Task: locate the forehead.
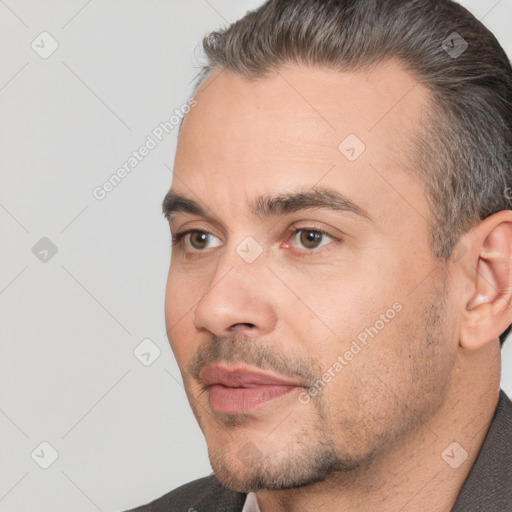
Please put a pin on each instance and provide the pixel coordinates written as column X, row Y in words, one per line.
column 299, row 126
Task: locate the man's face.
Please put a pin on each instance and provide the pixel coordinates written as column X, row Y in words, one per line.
column 307, row 327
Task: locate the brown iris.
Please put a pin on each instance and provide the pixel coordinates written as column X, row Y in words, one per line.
column 310, row 239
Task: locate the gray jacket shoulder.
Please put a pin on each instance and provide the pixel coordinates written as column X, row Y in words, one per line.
column 488, row 487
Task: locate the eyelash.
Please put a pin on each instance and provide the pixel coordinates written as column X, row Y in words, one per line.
column 177, row 240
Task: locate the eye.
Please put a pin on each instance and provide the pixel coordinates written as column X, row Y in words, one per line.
column 311, row 238
column 196, row 240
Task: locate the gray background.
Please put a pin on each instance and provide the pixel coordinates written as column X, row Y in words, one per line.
column 69, row 326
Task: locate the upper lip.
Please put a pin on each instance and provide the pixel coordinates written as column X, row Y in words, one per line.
column 242, row 376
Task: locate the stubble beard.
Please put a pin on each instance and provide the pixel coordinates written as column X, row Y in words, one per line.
column 313, row 453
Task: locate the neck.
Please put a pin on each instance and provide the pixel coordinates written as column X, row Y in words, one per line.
column 426, row 471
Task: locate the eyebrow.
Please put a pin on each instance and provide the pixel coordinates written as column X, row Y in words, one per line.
column 268, row 206
column 174, row 203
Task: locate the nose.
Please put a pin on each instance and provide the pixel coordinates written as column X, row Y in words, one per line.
column 238, row 299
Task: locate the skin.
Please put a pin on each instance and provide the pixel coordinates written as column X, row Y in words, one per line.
column 373, row 437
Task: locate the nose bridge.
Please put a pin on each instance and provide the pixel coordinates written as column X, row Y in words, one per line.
column 243, row 262
column 237, row 293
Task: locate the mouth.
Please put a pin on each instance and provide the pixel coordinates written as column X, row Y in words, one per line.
column 241, row 389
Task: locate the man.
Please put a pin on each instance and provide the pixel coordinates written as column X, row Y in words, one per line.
column 341, row 265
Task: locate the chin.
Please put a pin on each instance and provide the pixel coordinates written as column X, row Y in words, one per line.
column 250, row 470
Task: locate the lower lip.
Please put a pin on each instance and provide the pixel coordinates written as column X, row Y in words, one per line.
column 244, row 400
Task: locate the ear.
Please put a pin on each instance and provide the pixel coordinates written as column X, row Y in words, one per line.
column 488, row 289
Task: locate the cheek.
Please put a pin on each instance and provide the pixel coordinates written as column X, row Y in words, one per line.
column 179, row 314
column 339, row 306
column 353, row 324
column 386, row 358
column 184, row 290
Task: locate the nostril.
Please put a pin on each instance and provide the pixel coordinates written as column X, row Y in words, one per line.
column 235, row 326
